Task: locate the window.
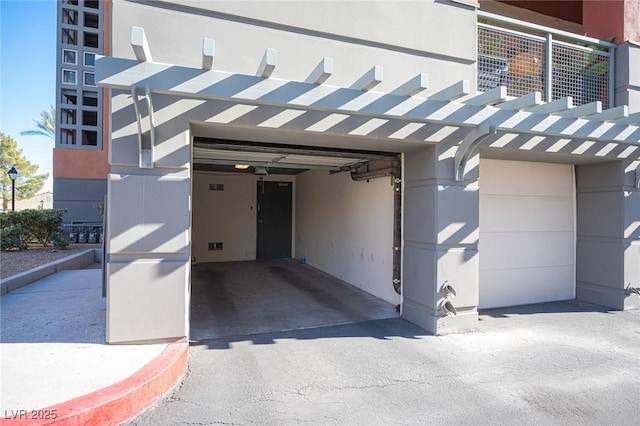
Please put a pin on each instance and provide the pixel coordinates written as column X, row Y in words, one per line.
column 69, row 16
column 69, row 77
column 69, row 36
column 67, row 137
column 93, row 4
column 89, row 59
column 89, row 79
column 69, row 56
column 90, row 39
column 89, row 118
column 91, row 20
column 69, row 97
column 72, row 2
column 67, row 116
column 90, row 98
column 90, row 137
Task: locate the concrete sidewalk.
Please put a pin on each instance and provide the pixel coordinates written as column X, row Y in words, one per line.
column 54, row 356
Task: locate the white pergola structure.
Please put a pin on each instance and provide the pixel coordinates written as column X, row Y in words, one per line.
column 455, row 122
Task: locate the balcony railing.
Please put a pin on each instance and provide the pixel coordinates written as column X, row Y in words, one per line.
column 526, row 57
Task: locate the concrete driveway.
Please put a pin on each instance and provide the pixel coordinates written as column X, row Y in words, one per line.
column 557, row 363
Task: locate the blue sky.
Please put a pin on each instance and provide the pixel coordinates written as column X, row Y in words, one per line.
column 28, row 74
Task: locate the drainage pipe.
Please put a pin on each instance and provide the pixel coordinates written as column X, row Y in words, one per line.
column 394, row 172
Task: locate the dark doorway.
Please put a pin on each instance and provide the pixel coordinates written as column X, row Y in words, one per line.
column 274, row 220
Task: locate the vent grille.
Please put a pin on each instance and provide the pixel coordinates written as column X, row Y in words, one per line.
column 216, row 187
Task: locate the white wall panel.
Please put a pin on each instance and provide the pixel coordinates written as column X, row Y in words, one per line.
column 527, row 233
column 345, row 228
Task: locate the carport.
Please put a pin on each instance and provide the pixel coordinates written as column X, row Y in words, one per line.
column 442, row 138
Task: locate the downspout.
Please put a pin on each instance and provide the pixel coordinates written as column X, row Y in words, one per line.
column 393, row 171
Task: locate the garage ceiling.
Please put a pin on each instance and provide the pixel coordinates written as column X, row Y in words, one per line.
column 224, row 156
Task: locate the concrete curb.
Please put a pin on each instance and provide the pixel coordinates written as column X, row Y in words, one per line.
column 77, row 261
column 121, row 401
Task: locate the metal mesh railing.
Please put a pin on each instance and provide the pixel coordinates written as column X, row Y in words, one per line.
column 580, row 73
column 517, row 59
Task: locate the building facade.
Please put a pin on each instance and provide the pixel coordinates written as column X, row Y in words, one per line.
column 418, row 162
column 80, row 165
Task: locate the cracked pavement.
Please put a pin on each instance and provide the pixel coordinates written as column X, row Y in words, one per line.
column 556, row 363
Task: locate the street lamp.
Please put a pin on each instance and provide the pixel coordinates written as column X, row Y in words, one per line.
column 13, row 175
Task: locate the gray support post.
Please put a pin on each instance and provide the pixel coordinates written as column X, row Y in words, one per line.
column 440, row 255
column 608, row 251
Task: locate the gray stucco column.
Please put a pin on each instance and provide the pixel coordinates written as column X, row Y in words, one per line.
column 148, row 228
column 441, row 218
column 627, row 80
column 608, row 234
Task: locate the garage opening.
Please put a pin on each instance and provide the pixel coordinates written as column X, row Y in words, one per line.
column 287, row 237
column 527, row 233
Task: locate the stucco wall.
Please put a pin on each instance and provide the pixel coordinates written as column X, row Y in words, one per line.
column 406, row 38
column 227, row 216
column 345, row 228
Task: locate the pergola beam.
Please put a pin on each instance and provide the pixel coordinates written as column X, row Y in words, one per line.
column 183, row 81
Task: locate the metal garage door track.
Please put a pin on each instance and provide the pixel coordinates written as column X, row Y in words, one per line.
column 238, row 298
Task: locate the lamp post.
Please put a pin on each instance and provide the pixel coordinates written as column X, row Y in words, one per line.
column 13, row 175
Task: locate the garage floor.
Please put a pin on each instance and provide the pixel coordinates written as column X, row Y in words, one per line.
column 238, row 298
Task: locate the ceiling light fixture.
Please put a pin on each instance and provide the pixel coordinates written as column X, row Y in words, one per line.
column 241, row 166
column 259, row 170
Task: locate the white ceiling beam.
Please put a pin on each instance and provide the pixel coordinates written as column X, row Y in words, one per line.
column 455, row 91
column 583, row 110
column 610, row 114
column 369, row 80
column 631, row 119
column 208, row 53
column 322, row 71
column 140, row 45
column 558, row 105
column 268, row 64
column 414, row 86
column 523, row 102
column 495, row 95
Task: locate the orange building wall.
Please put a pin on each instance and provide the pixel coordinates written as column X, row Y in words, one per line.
column 80, row 164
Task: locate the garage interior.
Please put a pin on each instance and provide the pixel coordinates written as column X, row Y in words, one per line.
column 287, row 237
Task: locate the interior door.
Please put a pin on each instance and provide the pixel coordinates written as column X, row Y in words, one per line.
column 274, row 220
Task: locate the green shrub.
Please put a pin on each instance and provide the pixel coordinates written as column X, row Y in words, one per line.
column 60, row 240
column 11, row 238
column 35, row 225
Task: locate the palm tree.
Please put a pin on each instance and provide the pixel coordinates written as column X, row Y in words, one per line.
column 46, row 126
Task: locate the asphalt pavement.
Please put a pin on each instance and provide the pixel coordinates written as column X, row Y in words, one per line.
column 560, row 363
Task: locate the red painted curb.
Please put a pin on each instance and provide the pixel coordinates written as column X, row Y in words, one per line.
column 121, row 401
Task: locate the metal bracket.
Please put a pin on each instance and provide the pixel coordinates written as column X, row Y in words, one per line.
column 467, row 148
column 146, row 142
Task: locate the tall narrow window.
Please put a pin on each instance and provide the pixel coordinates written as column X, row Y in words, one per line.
column 89, row 79
column 90, row 39
column 89, row 137
column 69, row 36
column 89, row 59
column 69, row 77
column 90, row 98
column 69, row 97
column 67, row 116
column 89, row 118
column 67, row 137
column 91, row 20
column 69, row 56
column 69, row 16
